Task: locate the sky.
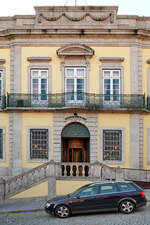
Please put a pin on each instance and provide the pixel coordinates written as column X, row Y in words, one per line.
column 25, row 7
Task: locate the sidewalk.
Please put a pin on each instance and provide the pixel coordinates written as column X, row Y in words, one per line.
column 33, row 205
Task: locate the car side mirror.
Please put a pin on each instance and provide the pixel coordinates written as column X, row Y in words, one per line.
column 78, row 196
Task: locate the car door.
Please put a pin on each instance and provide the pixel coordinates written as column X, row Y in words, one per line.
column 85, row 200
column 108, row 197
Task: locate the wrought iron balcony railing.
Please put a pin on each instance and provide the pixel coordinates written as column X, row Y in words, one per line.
column 2, row 101
column 77, row 100
column 148, row 103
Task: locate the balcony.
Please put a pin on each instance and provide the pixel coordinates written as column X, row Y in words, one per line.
column 2, row 102
column 77, row 100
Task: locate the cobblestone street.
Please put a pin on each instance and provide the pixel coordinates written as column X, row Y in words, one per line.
column 140, row 217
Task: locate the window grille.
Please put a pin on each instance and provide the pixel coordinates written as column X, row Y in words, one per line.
column 39, row 144
column 112, row 145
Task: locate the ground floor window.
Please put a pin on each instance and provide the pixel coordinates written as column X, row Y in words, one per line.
column 1, row 144
column 112, row 145
column 39, row 144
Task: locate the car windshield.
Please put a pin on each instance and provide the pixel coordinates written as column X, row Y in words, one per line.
column 75, row 193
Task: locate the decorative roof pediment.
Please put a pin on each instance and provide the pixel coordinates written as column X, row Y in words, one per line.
column 75, row 50
column 80, row 15
column 75, row 18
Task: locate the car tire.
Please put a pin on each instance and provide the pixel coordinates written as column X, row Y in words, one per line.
column 62, row 211
column 127, row 207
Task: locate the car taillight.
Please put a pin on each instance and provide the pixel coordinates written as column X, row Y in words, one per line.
column 142, row 194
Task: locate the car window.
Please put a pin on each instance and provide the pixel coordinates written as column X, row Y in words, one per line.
column 126, row 187
column 108, row 188
column 90, row 191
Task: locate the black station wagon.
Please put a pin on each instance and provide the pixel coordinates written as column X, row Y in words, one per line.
column 97, row 197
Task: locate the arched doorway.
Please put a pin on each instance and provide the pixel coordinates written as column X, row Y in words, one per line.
column 75, row 143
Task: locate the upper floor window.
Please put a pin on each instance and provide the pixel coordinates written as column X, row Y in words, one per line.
column 75, row 83
column 111, row 85
column 1, row 143
column 112, row 145
column 39, row 144
column 39, row 84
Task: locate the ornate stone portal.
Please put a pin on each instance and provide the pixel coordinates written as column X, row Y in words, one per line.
column 90, row 122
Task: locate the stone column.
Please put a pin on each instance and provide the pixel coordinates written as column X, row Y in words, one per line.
column 51, row 187
column 52, row 180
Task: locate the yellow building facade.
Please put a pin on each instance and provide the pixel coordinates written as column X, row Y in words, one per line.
column 74, row 91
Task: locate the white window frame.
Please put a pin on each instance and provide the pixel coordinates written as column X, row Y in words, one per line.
column 113, row 162
column 115, row 148
column 111, row 77
column 39, row 77
column 3, row 144
column 2, row 84
column 75, row 77
column 29, row 143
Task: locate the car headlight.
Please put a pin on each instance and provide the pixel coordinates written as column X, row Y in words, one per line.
column 48, row 204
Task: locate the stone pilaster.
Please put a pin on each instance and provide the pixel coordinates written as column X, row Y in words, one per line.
column 136, row 70
column 136, row 145
column 15, row 146
column 51, row 187
column 148, row 146
column 141, row 141
column 15, row 69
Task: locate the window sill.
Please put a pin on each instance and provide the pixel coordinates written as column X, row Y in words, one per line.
column 113, row 162
column 38, row 160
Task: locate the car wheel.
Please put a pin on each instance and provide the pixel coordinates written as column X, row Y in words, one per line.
column 127, row 207
column 62, row 211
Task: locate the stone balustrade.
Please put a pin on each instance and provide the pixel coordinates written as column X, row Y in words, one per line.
column 91, row 171
column 26, row 180
column 75, row 170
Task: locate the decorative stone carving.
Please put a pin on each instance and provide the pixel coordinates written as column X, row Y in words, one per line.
column 75, row 50
column 73, row 16
column 76, row 17
column 37, row 59
column 111, row 59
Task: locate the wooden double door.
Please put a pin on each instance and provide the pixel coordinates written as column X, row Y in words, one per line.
column 75, row 150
